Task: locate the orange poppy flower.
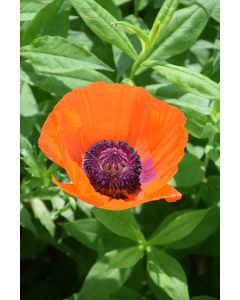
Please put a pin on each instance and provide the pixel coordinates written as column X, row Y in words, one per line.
column 118, row 144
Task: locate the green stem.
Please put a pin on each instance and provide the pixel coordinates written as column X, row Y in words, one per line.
column 137, row 65
column 141, row 58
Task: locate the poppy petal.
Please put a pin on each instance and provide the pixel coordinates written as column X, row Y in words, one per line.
column 164, row 137
column 49, row 140
column 167, row 192
column 98, row 122
column 72, row 190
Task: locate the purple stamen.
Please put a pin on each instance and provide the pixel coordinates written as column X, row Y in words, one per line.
column 113, row 169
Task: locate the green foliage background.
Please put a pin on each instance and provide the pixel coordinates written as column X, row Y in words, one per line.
column 70, row 250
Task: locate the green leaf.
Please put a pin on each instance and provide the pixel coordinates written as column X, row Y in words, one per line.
column 122, row 223
column 27, row 125
column 140, row 5
column 86, row 231
column 92, row 234
column 121, row 60
column 168, row 274
column 29, row 8
column 209, row 224
column 43, row 235
column 72, row 80
column 190, row 81
column 36, row 166
column 57, row 55
column 197, row 151
column 198, row 103
column 42, row 213
column 196, row 121
column 164, row 90
column 210, row 190
column 120, row 2
column 213, row 152
column 52, row 19
column 190, row 172
column 60, row 84
column 99, row 21
column 159, row 293
column 26, row 219
column 201, row 49
column 216, row 11
column 162, row 19
column 111, row 7
column 181, row 226
column 28, row 104
column 183, row 30
column 102, row 280
column 216, row 111
column 126, row 258
column 142, row 36
column 80, row 38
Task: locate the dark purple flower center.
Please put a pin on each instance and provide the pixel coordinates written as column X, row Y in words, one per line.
column 113, row 169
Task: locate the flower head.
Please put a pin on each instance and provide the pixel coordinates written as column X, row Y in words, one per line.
column 118, row 144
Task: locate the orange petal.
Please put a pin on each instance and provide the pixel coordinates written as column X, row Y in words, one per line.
column 100, row 201
column 97, row 112
column 164, row 138
column 106, row 111
column 167, row 192
column 70, row 128
column 49, row 140
column 72, row 190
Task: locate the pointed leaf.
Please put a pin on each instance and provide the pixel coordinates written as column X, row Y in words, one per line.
column 209, row 224
column 26, row 219
column 28, row 104
column 102, row 280
column 190, row 81
column 168, row 274
column 142, row 36
column 162, row 19
column 57, row 55
column 190, row 172
column 52, row 19
column 99, row 21
column 122, row 223
column 198, row 103
column 30, row 157
column 29, row 8
column 127, row 257
column 210, row 190
column 181, row 226
column 42, row 213
column 93, row 234
column 183, row 29
column 60, row 84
